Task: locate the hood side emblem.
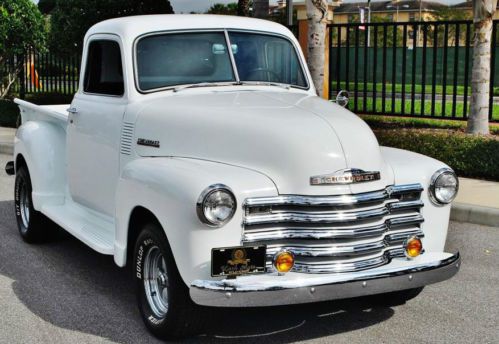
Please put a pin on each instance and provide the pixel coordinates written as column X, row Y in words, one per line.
column 148, row 143
column 348, row 176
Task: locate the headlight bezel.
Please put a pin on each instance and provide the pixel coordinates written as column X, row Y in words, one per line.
column 200, row 205
column 432, row 188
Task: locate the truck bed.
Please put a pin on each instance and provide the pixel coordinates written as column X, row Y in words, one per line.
column 30, row 111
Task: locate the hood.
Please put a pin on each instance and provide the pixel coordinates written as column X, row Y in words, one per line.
column 287, row 136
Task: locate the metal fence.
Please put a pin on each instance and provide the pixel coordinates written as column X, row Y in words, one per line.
column 418, row 69
column 45, row 73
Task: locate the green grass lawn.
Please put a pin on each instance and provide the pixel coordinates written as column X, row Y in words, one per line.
column 378, row 107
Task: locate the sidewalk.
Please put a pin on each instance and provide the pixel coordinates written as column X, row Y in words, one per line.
column 7, row 140
column 477, row 201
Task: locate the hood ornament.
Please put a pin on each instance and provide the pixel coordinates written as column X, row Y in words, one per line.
column 348, row 176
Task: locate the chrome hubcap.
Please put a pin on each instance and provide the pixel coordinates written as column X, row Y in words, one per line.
column 156, row 282
column 24, row 204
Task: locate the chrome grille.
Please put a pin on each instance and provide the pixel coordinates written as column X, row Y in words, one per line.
column 329, row 234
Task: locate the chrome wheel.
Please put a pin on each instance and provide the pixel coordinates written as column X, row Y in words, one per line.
column 24, row 205
column 156, row 282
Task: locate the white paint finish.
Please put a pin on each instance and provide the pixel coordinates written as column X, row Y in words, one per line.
column 92, row 229
column 43, row 146
column 248, row 129
column 170, row 188
column 411, row 167
column 93, row 151
column 93, row 144
column 258, row 140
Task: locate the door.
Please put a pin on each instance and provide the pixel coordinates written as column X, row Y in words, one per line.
column 94, row 130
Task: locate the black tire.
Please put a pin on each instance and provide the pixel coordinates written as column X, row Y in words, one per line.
column 183, row 318
column 397, row 298
column 33, row 225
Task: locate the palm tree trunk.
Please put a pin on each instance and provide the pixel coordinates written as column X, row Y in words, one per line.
column 317, row 20
column 261, row 8
column 478, row 121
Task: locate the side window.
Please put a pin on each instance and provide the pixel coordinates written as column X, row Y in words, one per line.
column 104, row 71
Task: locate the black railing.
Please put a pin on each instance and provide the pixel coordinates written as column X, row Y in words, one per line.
column 418, row 69
column 47, row 73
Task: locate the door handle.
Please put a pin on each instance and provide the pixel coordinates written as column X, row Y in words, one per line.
column 73, row 110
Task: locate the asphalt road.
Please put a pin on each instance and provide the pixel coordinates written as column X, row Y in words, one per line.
column 62, row 292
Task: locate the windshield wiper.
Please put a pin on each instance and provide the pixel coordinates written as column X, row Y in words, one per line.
column 266, row 83
column 202, row 84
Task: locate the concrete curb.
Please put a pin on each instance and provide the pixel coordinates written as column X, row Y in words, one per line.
column 475, row 214
column 6, row 148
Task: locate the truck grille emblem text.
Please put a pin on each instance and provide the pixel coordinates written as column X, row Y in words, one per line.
column 349, row 176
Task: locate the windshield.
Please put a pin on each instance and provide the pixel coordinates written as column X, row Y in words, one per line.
column 169, row 60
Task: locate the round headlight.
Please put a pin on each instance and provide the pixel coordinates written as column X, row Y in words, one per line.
column 216, row 205
column 443, row 186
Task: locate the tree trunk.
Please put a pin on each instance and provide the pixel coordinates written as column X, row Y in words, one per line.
column 243, row 8
column 317, row 26
column 478, row 121
column 261, row 8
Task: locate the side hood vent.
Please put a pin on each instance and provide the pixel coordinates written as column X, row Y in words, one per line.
column 127, row 138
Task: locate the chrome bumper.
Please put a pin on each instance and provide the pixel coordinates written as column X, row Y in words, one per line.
column 273, row 290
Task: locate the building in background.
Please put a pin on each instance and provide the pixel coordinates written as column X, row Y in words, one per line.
column 467, row 7
column 389, row 11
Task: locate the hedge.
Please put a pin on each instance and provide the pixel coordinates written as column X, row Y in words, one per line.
column 471, row 156
column 9, row 111
column 392, row 122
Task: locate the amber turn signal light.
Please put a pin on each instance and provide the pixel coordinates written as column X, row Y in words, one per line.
column 284, row 261
column 413, row 247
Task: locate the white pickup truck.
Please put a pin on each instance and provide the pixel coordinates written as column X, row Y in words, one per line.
column 197, row 152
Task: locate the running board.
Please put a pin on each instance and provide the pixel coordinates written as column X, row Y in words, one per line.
column 92, row 230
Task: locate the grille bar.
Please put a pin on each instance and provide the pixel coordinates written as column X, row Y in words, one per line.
column 296, row 232
column 342, row 200
column 332, row 234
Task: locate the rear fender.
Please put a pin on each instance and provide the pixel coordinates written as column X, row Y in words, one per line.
column 43, row 147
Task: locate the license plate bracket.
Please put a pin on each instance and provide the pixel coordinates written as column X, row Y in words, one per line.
column 239, row 260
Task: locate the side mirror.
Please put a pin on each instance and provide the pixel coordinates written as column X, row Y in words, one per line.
column 342, row 98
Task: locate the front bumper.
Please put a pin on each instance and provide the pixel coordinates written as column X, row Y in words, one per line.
column 294, row 288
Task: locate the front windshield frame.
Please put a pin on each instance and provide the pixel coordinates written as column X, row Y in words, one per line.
column 231, row 55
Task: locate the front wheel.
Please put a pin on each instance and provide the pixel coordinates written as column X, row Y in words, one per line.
column 163, row 298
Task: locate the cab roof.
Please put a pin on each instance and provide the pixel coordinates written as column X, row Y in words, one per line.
column 129, row 28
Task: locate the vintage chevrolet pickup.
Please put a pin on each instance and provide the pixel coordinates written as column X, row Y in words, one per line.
column 197, row 152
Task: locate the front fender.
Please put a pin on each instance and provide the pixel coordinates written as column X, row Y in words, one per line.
column 409, row 167
column 170, row 188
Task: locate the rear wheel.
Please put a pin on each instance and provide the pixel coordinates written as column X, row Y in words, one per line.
column 32, row 225
column 163, row 298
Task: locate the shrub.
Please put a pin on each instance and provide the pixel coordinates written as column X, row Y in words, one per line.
column 469, row 155
column 391, row 122
column 8, row 113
